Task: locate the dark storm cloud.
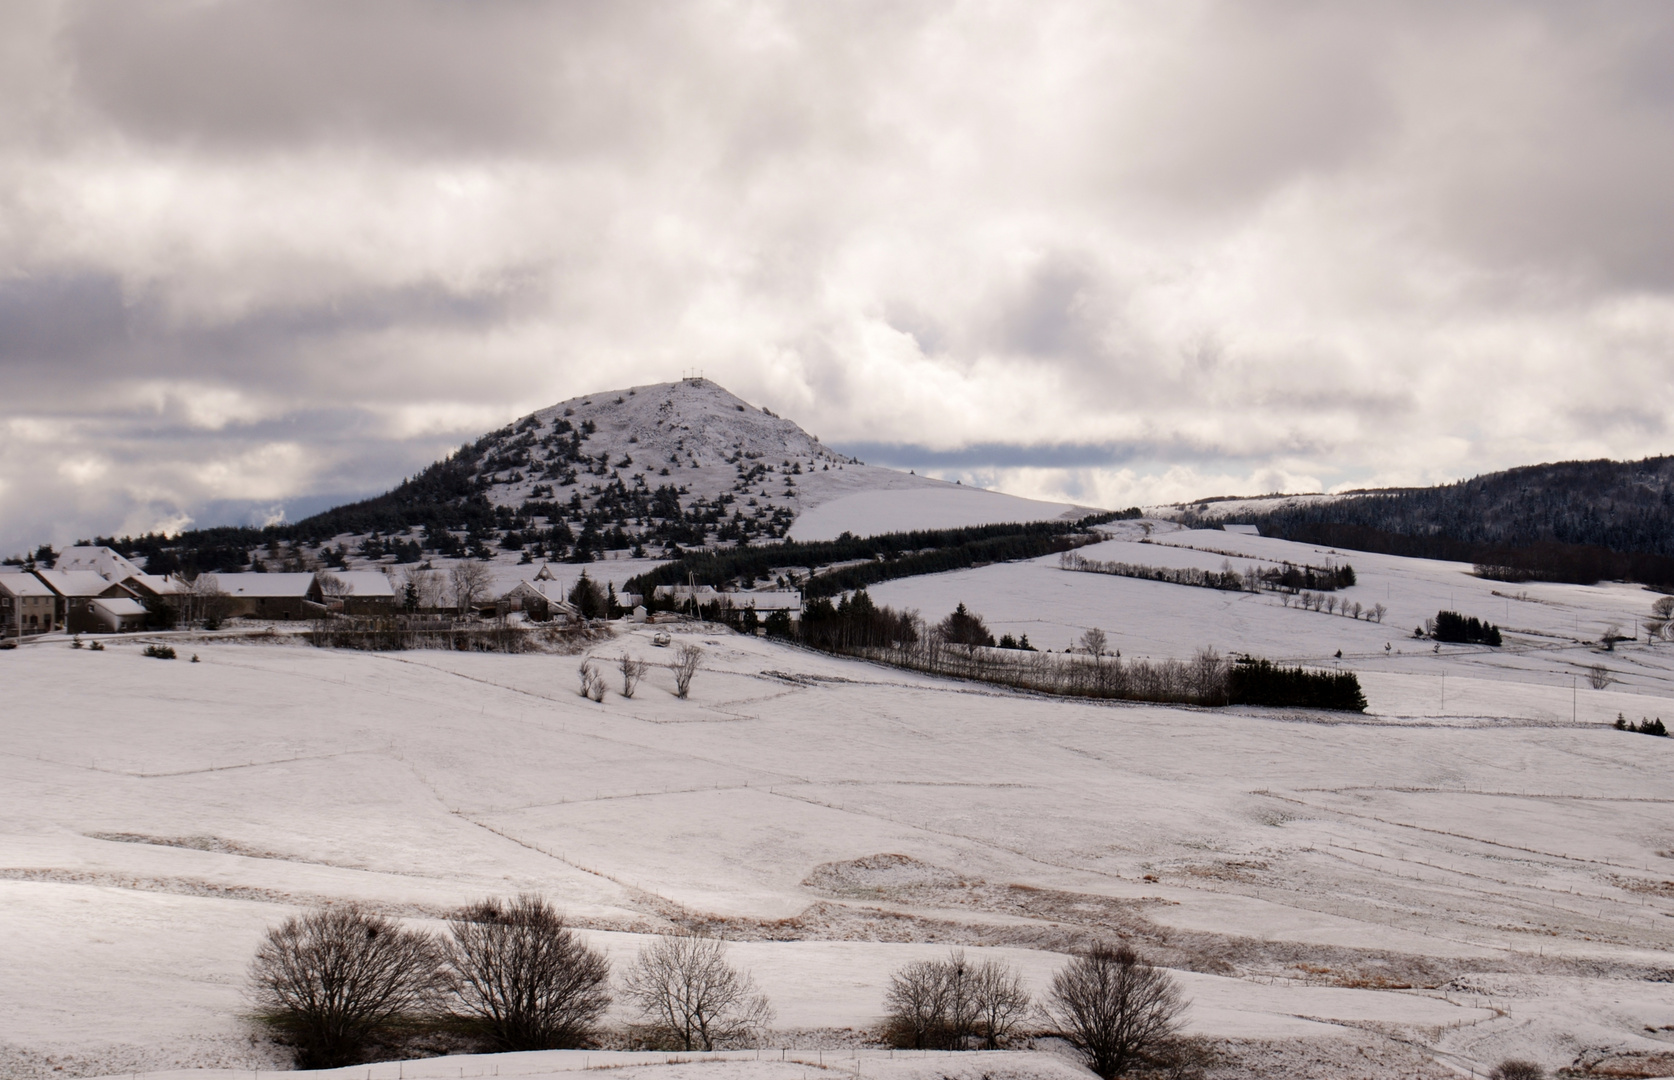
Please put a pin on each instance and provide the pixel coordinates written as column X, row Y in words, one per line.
column 57, row 319
column 437, row 77
column 69, row 333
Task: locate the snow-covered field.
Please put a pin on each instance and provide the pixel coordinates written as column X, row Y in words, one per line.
column 1473, row 879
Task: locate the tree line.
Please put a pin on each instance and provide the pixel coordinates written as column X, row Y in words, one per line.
column 1287, row 577
column 882, row 557
column 960, row 646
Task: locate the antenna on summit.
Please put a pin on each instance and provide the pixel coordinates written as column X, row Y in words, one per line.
column 692, row 375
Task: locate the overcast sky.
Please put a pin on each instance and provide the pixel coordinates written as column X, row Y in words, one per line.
column 252, row 254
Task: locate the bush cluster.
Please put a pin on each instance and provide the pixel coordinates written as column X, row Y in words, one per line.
column 161, row 652
column 337, row 983
column 1261, row 682
column 1450, row 626
column 1644, row 727
column 1115, row 1009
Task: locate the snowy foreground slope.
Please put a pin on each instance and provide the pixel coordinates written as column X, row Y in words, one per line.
column 1470, row 880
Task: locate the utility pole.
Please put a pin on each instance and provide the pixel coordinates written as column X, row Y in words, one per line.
column 1574, row 698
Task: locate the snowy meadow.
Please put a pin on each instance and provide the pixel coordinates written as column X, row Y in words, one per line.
column 1475, row 868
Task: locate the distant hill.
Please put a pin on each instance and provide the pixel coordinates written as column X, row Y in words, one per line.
column 648, row 470
column 1570, row 521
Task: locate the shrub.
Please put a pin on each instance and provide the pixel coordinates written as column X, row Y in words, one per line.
column 161, row 652
column 523, row 978
column 1115, row 1009
column 632, row 671
column 1514, row 1069
column 333, row 981
column 1644, row 727
column 592, row 683
column 685, row 666
column 952, row 1004
column 690, row 998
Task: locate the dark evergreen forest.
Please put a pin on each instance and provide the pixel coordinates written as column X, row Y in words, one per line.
column 1576, row 521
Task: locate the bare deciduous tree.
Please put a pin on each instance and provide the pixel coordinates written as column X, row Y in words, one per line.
column 333, row 980
column 592, row 683
column 690, row 998
column 685, row 666
column 335, row 588
column 426, row 585
column 953, row 1004
column 470, row 581
column 1093, row 642
column 1001, row 1002
column 632, row 671
column 1208, row 676
column 1377, row 613
column 524, row 978
column 1661, row 622
column 205, row 602
column 1599, row 677
column 1115, row 1009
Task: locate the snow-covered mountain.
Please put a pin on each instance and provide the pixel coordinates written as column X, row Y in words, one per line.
column 647, row 469
column 713, row 448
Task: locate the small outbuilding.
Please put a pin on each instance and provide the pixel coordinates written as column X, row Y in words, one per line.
column 116, row 615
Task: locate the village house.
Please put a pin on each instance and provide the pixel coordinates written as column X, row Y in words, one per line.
column 27, row 606
column 270, row 596
column 113, row 566
column 353, row 592
column 763, row 603
column 540, row 597
column 76, row 591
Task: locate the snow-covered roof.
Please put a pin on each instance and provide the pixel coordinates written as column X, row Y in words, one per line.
column 24, row 585
column 120, row 606
column 767, row 600
column 158, row 584
column 74, row 582
column 361, row 583
column 265, row 585
column 100, row 560
column 544, row 587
